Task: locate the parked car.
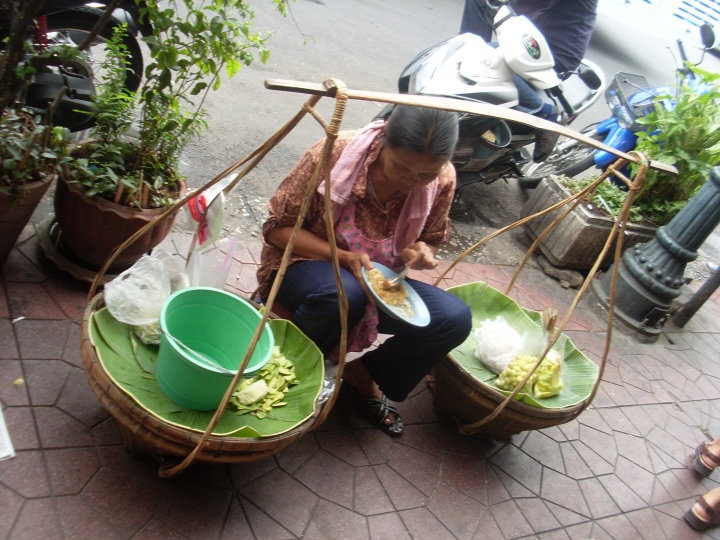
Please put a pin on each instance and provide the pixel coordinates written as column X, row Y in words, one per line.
column 681, row 18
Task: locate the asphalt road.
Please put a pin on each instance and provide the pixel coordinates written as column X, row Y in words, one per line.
column 365, row 44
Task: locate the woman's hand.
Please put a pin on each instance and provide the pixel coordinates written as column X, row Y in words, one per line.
column 419, row 256
column 355, row 262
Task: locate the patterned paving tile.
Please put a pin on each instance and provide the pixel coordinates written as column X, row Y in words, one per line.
column 401, row 492
column 519, row 466
column 198, row 513
column 38, row 518
column 334, row 521
column 261, row 524
column 387, row 526
column 8, row 346
column 343, row 446
column 70, row 469
column 69, row 295
column 55, row 336
column 600, row 442
column 636, row 478
column 467, row 474
column 422, row 470
column 421, row 523
column 25, row 474
column 25, row 265
column 567, row 517
column 544, row 450
column 45, row 380
column 13, row 386
column 10, row 507
column 21, row 426
column 617, row 471
column 619, row 527
column 633, row 449
column 369, row 497
column 32, row 301
column 514, row 488
column 79, row 519
column 58, row 429
column 510, row 519
column 537, row 514
column 574, row 465
column 460, row 514
column 564, row 492
column 599, row 501
column 329, row 478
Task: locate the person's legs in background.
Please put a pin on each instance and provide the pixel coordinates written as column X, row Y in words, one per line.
column 705, row 512
column 478, row 19
column 529, row 101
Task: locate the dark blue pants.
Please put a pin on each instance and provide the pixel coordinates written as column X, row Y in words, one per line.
column 308, row 290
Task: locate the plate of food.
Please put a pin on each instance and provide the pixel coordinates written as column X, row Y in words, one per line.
column 401, row 302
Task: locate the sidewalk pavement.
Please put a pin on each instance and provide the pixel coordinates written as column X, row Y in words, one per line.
column 617, row 471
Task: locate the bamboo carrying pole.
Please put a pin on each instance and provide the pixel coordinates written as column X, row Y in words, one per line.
column 337, row 90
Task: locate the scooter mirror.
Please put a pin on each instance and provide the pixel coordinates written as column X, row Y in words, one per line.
column 589, row 77
column 707, row 35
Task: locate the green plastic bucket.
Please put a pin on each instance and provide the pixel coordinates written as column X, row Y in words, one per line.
column 217, row 325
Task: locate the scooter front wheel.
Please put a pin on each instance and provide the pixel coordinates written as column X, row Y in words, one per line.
column 69, row 27
column 570, row 157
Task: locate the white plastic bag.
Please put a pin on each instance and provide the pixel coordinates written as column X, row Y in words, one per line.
column 137, row 295
column 205, row 212
column 209, row 267
column 497, row 343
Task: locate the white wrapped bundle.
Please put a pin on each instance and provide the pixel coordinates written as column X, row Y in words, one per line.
column 496, row 343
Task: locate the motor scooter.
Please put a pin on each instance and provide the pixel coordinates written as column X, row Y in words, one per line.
column 468, row 67
column 67, row 65
column 629, row 97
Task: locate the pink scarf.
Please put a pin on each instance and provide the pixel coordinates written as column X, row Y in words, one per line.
column 343, row 176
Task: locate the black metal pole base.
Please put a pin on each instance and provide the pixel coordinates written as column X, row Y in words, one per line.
column 650, row 275
column 642, row 312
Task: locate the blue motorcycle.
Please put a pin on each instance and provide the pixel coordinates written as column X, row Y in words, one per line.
column 629, row 98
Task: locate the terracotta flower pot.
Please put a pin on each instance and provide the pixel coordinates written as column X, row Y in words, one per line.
column 14, row 214
column 92, row 228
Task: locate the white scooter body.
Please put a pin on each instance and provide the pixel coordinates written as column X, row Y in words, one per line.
column 525, row 49
column 467, row 67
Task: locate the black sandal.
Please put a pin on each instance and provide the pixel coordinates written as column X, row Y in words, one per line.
column 699, row 461
column 698, row 523
column 382, row 410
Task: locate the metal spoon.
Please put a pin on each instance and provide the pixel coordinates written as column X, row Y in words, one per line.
column 394, row 281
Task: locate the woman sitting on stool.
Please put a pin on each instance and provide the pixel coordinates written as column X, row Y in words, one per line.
column 392, row 186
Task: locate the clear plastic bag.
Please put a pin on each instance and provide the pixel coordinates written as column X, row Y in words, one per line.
column 497, row 343
column 205, row 213
column 137, row 295
column 210, row 266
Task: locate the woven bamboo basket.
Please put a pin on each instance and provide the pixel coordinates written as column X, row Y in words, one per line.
column 477, row 407
column 462, row 398
column 467, row 400
column 145, row 433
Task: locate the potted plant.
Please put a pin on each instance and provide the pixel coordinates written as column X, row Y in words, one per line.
column 30, row 149
column 126, row 172
column 683, row 130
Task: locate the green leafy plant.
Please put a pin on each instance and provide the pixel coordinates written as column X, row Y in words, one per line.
column 684, row 131
column 193, row 46
column 608, row 197
column 29, row 151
